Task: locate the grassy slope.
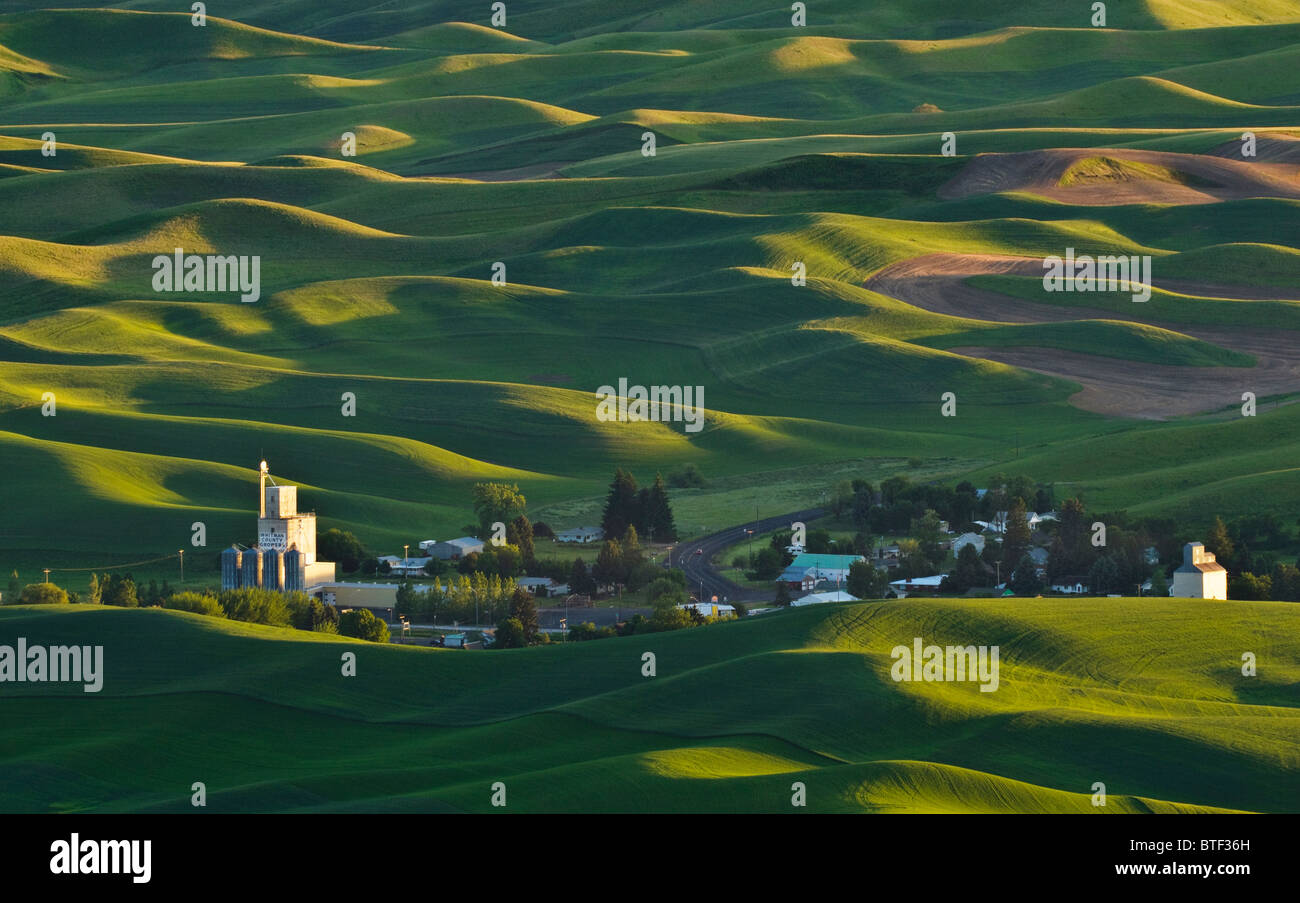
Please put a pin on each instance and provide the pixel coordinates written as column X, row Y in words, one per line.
column 776, row 145
column 1105, row 689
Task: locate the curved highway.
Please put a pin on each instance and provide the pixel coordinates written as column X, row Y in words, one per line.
column 700, row 570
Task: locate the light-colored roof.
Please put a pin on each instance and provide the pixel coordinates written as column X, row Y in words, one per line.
column 933, row 580
column 817, row 598
column 824, row 562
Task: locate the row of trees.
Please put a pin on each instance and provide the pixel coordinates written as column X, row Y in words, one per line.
column 112, row 589
column 648, row 510
column 255, row 606
column 897, row 502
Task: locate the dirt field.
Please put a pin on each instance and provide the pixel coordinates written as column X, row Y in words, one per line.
column 1111, row 386
column 1194, row 179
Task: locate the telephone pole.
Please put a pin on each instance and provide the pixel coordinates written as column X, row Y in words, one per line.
column 47, row 574
column 181, row 554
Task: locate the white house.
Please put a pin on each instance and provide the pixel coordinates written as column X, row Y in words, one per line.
column 1073, row 584
column 968, row 539
column 536, row 585
column 580, row 534
column 405, row 567
column 1200, row 576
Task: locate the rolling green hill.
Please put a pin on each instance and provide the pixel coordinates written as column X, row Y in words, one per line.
column 775, row 145
column 1109, row 690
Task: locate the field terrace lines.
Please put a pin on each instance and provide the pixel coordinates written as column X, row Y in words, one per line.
column 1111, row 386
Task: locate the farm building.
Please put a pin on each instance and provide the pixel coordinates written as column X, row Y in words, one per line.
column 916, row 584
column 711, row 609
column 374, row 596
column 1200, row 576
column 818, row 598
column 801, row 579
column 828, row 567
column 285, row 555
column 580, row 534
column 454, row 549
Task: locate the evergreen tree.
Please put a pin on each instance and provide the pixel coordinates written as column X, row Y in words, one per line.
column 620, row 504
column 609, row 563
column 1218, row 542
column 631, row 549
column 1103, row 576
column 1016, row 539
column 969, row 570
column 579, row 580
column 119, row 590
column 1024, row 581
column 659, row 513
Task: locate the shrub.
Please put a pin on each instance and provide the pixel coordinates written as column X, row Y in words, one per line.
column 204, row 604
column 256, row 606
column 362, row 624
column 42, row 594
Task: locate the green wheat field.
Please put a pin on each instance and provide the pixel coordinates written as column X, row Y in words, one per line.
column 775, row 144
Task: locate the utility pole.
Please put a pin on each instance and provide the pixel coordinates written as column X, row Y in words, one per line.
column 181, row 554
column 47, row 575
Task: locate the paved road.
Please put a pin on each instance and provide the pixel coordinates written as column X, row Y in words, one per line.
column 549, row 618
column 700, row 570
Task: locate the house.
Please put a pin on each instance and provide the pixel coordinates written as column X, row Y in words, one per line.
column 916, row 584
column 1200, row 576
column 454, row 549
column 968, row 539
column 818, row 598
column 827, row 567
column 426, row 543
column 711, row 609
column 405, row 567
column 580, row 534
column 542, row 586
column 1072, row 584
